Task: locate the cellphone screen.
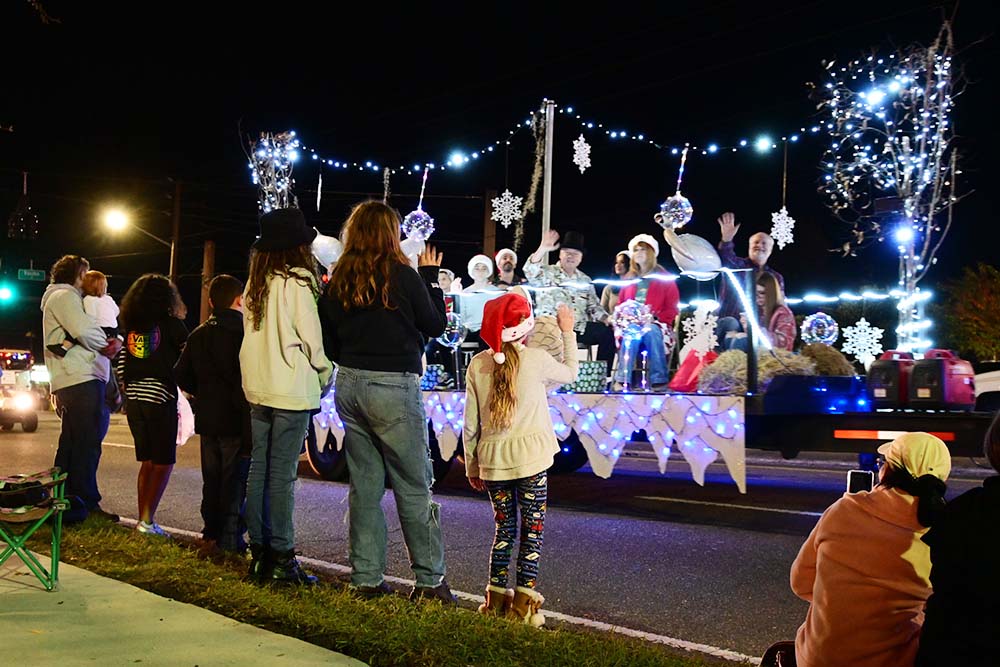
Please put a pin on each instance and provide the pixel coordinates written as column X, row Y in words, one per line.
column 860, row 480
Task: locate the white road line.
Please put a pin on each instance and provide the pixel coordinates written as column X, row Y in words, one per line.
column 739, row 507
column 117, row 444
column 653, row 638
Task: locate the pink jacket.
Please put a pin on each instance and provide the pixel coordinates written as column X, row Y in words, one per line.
column 781, row 328
column 866, row 574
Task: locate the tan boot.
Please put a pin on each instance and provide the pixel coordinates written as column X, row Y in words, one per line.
column 526, row 607
column 497, row 601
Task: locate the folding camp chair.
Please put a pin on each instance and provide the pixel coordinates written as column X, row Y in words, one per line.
column 44, row 495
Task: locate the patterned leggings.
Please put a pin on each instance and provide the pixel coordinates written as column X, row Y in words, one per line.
column 527, row 494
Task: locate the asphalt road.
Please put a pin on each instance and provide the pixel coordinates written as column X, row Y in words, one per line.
column 651, row 552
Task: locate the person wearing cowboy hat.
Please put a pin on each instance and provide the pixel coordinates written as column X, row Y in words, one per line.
column 573, row 288
column 285, row 370
column 510, row 443
column 657, row 289
column 865, row 570
column 506, row 275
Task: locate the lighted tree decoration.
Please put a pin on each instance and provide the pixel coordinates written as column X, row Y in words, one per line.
column 271, row 159
column 892, row 136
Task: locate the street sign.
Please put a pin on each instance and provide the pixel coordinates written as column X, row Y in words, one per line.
column 31, row 274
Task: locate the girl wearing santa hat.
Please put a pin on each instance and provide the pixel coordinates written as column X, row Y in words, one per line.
column 510, row 443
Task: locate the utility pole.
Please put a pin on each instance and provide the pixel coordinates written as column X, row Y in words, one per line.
column 207, row 273
column 489, row 226
column 550, row 119
column 176, row 232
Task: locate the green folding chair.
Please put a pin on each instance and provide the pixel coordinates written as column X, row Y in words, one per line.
column 44, row 495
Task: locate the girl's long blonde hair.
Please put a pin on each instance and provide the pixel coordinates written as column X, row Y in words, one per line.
column 503, row 393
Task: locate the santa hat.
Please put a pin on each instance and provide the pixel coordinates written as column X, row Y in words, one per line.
column 505, row 319
column 648, row 240
column 480, row 259
column 496, row 257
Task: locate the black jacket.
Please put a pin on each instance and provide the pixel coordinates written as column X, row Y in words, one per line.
column 209, row 368
column 963, row 612
column 381, row 339
column 152, row 354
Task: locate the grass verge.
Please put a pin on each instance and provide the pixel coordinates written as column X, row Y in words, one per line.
column 388, row 631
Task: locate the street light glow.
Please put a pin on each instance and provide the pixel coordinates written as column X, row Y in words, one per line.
column 116, row 219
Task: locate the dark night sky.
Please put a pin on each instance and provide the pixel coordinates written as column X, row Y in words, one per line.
column 119, row 98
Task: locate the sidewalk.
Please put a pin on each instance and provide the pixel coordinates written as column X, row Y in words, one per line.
column 92, row 620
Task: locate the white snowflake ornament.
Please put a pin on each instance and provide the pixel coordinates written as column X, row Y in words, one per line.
column 506, row 208
column 782, row 225
column 581, row 153
column 699, row 332
column 863, row 341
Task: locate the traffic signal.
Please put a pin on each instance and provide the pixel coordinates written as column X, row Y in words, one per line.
column 7, row 294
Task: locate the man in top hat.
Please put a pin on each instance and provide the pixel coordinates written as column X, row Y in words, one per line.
column 507, row 274
column 573, row 288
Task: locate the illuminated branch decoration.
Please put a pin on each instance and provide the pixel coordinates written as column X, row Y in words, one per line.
column 891, row 136
column 270, row 161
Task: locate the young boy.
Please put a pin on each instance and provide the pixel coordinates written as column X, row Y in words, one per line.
column 209, row 369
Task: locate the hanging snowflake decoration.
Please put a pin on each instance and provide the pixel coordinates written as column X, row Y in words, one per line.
column 782, row 225
column 699, row 332
column 506, row 208
column 581, row 153
column 863, row 341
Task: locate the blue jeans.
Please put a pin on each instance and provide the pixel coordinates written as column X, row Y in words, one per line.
column 84, row 415
column 726, row 325
column 385, row 431
column 274, row 464
column 656, row 359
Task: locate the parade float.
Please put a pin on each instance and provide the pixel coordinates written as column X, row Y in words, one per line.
column 887, row 120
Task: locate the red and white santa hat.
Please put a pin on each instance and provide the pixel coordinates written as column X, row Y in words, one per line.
column 505, row 319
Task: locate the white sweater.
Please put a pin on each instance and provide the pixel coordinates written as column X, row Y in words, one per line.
column 283, row 363
column 527, row 447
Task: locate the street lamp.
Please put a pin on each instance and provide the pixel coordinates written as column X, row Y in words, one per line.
column 117, row 220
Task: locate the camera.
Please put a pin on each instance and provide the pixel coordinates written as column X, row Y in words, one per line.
column 860, row 480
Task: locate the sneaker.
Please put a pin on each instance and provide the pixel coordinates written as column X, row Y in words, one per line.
column 371, row 592
column 441, row 593
column 151, row 528
column 101, row 513
column 286, row 570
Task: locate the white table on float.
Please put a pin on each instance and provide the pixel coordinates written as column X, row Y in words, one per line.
column 700, row 427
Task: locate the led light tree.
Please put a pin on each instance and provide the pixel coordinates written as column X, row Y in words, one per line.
column 889, row 119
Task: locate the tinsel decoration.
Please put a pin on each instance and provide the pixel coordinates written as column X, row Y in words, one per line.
column 538, row 129
column 385, row 185
column 23, row 222
column 271, row 160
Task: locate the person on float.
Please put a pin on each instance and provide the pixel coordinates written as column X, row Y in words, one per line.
column 963, row 612
column 510, row 444
column 480, row 270
column 507, row 274
column 775, row 317
column 446, row 277
column 657, row 290
column 567, row 284
column 864, row 569
column 285, row 371
column 610, row 293
column 759, row 247
column 377, row 312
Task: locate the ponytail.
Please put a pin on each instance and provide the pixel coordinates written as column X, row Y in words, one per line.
column 503, row 393
column 927, row 489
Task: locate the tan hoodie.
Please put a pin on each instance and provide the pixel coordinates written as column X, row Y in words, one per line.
column 866, row 574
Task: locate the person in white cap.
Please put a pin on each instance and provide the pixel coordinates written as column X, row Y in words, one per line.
column 480, row 269
column 510, row 444
column 506, row 275
column 658, row 290
column 865, row 570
